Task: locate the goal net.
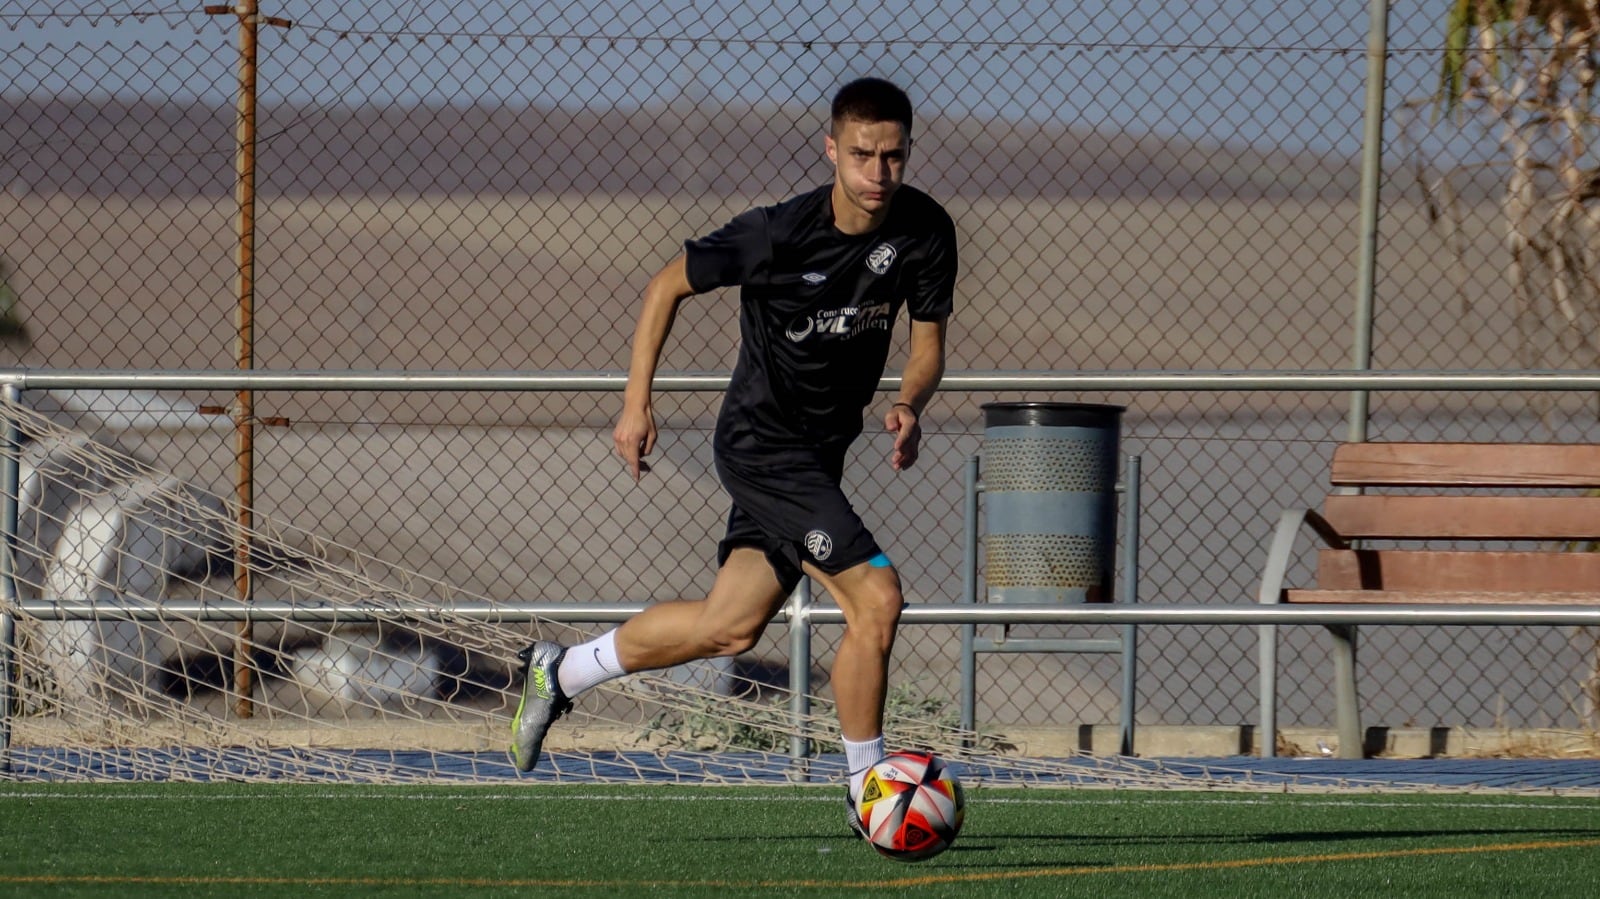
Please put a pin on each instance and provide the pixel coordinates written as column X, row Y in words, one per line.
column 132, row 657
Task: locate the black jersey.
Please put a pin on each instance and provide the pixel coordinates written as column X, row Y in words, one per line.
column 817, row 310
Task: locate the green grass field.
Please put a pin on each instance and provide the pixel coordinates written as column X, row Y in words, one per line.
column 512, row 840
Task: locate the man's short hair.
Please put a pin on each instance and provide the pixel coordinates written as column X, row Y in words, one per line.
column 872, row 100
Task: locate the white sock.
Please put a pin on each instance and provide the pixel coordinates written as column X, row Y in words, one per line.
column 858, row 757
column 589, row 664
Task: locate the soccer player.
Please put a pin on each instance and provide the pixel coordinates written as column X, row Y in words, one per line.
column 822, row 279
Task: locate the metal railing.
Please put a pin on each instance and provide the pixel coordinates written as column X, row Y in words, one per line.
column 1070, row 383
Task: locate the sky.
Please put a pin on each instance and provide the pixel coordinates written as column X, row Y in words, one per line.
column 1290, row 75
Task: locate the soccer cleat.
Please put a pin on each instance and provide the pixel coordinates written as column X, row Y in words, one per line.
column 852, row 817
column 542, row 702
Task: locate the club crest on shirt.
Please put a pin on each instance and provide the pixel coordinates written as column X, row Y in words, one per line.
column 881, row 257
column 819, row 545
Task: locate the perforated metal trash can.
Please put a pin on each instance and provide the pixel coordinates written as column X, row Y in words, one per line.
column 1049, row 481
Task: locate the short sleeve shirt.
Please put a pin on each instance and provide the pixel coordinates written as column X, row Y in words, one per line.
column 817, row 311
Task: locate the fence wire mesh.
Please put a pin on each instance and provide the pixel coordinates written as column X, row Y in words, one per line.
column 487, row 186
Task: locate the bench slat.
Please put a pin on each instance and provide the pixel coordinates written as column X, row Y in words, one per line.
column 1466, row 464
column 1418, row 570
column 1440, row 597
column 1465, row 517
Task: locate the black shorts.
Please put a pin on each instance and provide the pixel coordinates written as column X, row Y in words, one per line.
column 789, row 505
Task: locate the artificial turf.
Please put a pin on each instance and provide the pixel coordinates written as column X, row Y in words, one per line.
column 237, row 839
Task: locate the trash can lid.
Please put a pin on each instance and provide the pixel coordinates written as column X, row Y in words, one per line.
column 1045, row 414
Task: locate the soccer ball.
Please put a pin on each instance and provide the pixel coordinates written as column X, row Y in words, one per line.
column 911, row 806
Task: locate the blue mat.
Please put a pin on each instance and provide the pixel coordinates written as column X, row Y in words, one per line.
column 366, row 766
column 1496, row 774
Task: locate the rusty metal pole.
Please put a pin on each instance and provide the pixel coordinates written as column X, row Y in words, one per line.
column 243, row 672
column 250, row 21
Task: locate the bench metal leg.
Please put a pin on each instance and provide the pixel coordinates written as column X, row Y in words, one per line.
column 1279, row 553
column 1267, row 736
column 1347, row 705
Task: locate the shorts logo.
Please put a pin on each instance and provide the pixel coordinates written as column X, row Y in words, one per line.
column 813, row 277
column 800, row 328
column 881, row 257
column 819, row 545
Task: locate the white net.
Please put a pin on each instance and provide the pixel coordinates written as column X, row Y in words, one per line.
column 131, row 660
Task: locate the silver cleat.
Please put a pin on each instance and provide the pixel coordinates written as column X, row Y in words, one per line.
column 542, row 702
column 852, row 817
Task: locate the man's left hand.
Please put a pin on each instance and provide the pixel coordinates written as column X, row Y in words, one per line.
column 901, row 421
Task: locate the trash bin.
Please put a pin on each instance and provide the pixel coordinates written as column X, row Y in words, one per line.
column 1049, row 482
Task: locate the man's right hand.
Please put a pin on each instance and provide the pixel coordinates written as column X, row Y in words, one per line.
column 635, row 435
column 635, row 438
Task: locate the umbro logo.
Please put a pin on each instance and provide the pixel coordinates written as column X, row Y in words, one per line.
column 813, row 277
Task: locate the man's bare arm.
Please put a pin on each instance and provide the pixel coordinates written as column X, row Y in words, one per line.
column 635, row 435
column 923, row 370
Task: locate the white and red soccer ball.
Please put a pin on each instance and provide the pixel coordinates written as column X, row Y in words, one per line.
column 911, row 806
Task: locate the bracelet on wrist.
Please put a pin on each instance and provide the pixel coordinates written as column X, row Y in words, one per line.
column 908, row 406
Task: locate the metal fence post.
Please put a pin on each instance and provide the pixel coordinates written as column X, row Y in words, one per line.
column 969, row 593
column 1371, row 175
column 1130, row 595
column 800, row 679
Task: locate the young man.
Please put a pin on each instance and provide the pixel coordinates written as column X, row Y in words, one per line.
column 822, row 278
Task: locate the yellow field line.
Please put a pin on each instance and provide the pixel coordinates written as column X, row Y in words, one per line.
column 884, row 883
column 1248, row 862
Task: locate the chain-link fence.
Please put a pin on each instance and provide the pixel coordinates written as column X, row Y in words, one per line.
column 487, row 186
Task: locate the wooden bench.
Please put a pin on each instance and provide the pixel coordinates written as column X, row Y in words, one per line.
column 1486, row 500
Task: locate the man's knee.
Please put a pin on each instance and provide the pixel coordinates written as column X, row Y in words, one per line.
column 730, row 638
column 876, row 605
